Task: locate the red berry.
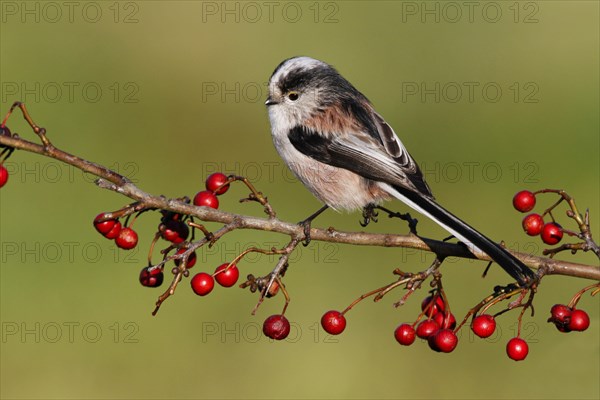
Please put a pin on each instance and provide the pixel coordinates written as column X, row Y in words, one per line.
column 551, row 233
column 114, row 232
column 174, row 231
column 202, row 283
column 484, row 325
column 227, row 278
column 444, row 340
column 105, row 226
column 524, row 201
column 580, row 321
column 191, row 261
column 151, row 277
column 561, row 314
column 214, row 181
column 333, row 322
column 437, row 306
column 206, row 199
column 533, row 224
column 3, row 175
column 405, row 334
column 127, row 239
column 445, row 322
column 517, row 349
column 276, row 327
column 427, row 328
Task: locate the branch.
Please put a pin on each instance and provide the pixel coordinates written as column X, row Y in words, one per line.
column 111, row 180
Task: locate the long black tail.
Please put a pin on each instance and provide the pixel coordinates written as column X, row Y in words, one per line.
column 468, row 235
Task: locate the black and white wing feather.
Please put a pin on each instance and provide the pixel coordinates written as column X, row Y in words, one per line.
column 394, row 147
column 388, row 162
column 359, row 153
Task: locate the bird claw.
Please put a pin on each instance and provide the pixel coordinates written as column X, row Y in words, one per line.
column 369, row 214
column 306, row 225
column 306, row 228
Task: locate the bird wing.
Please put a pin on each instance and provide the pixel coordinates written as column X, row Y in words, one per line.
column 394, row 147
column 385, row 160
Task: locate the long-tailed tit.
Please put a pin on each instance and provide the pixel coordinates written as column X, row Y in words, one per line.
column 344, row 152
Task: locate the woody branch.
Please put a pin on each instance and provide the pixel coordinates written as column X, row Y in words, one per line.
column 111, row 180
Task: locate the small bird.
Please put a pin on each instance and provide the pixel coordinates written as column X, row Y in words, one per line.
column 344, row 152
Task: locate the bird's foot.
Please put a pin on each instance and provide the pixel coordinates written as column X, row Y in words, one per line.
column 369, row 214
column 306, row 228
column 305, row 224
column 412, row 222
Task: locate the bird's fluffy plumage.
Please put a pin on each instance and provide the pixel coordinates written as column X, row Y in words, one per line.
column 330, row 107
column 344, row 152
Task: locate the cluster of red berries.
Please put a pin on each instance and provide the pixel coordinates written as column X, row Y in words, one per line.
column 533, row 224
column 216, row 185
column 275, row 327
column 437, row 329
column 567, row 319
column 125, row 238
column 436, row 324
column 3, row 175
column 226, row 275
column 173, row 228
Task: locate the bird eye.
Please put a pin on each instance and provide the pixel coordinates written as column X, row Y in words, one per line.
column 293, row 96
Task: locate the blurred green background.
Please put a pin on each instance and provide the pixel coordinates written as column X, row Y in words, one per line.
column 490, row 98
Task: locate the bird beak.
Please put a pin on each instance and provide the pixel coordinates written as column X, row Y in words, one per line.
column 270, row 101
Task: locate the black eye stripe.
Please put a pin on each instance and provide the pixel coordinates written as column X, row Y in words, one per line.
column 294, row 80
